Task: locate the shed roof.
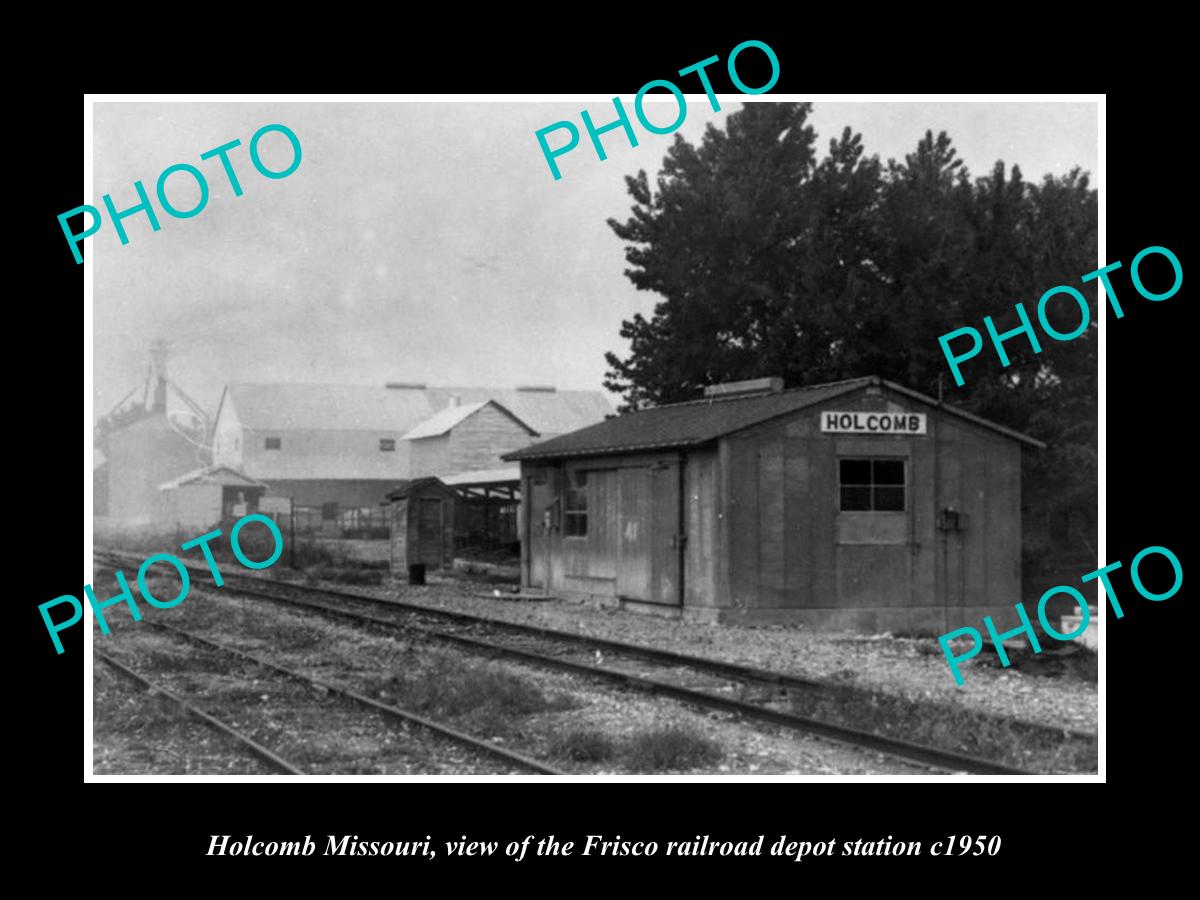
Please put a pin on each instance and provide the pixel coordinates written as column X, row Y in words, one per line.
column 407, row 488
column 222, row 475
column 681, row 425
column 484, row 476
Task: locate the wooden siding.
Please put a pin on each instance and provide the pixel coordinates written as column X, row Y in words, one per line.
column 703, row 529
column 478, row 441
column 766, row 539
column 422, row 529
column 429, row 456
column 790, row 546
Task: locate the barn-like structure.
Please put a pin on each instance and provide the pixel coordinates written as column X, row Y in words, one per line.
column 859, row 504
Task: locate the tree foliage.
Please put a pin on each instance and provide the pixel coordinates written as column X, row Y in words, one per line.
column 770, row 260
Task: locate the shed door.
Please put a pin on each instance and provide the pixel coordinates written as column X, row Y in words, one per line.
column 429, row 530
column 538, row 524
column 633, row 542
column 648, row 543
column 665, row 537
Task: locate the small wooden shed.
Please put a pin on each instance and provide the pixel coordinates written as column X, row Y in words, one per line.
column 859, row 504
column 422, row 525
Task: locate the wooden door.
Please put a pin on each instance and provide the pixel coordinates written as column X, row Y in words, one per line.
column 648, row 540
column 664, row 535
column 429, row 530
column 633, row 540
column 538, row 523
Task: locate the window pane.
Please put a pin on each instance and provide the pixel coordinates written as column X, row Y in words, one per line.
column 856, row 498
column 889, row 499
column 889, row 471
column 575, row 524
column 856, row 471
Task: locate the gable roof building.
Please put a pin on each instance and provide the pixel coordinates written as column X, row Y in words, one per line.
column 857, row 504
column 328, row 444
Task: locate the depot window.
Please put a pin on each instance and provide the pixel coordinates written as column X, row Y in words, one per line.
column 871, row 485
column 575, row 517
column 387, row 444
column 272, row 443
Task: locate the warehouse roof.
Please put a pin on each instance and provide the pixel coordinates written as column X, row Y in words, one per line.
column 681, row 425
column 333, row 407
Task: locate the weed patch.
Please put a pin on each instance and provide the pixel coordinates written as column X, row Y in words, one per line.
column 583, row 745
column 670, row 748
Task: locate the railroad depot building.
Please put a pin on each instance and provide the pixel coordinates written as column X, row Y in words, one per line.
column 858, row 505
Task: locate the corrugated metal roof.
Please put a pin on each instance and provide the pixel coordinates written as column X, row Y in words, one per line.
column 328, row 407
column 683, row 425
column 484, row 476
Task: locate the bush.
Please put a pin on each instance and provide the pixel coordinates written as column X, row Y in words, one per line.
column 670, row 748
column 583, row 745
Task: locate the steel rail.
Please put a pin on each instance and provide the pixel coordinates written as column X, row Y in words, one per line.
column 853, row 737
column 269, row 757
column 395, row 712
column 653, row 654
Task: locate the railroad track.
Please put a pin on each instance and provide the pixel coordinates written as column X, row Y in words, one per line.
column 272, row 760
column 321, row 689
column 724, row 686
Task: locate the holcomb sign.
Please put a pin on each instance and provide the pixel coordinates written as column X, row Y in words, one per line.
column 872, row 423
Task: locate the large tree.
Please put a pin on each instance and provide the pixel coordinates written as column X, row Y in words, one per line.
column 768, row 260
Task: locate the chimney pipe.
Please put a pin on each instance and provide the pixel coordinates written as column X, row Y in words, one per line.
column 738, row 388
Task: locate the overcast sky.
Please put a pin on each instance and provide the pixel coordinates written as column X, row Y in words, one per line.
column 424, row 241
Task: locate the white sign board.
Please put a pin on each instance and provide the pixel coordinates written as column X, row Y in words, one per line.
column 860, row 422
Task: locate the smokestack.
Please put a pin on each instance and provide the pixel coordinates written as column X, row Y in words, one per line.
column 158, row 357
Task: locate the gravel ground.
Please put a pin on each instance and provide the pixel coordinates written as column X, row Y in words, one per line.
column 374, row 664
column 135, row 734
column 911, row 667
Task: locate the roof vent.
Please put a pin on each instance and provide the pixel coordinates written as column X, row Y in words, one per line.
column 537, row 388
column 771, row 385
column 406, row 385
